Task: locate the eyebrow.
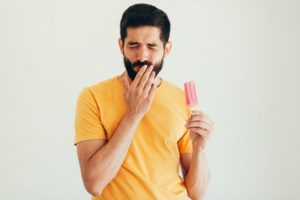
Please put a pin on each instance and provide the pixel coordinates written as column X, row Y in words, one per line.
column 152, row 44
column 132, row 43
column 136, row 43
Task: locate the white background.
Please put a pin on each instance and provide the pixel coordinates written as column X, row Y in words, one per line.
column 243, row 55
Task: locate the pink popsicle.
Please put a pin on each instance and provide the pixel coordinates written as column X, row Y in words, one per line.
column 190, row 94
column 191, row 99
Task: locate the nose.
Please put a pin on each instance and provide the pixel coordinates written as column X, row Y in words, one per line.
column 143, row 54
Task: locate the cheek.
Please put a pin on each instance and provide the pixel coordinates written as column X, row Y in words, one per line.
column 128, row 54
column 157, row 57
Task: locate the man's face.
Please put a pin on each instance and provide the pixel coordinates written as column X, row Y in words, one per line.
column 142, row 46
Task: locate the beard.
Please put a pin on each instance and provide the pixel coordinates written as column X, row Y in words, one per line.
column 130, row 66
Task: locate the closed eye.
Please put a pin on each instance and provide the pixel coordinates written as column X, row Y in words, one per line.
column 152, row 45
column 133, row 44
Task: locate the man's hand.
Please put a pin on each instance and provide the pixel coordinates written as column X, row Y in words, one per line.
column 200, row 126
column 139, row 95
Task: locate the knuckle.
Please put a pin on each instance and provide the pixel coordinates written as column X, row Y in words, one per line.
column 138, row 92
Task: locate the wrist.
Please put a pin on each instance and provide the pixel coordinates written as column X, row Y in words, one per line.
column 198, row 151
column 133, row 116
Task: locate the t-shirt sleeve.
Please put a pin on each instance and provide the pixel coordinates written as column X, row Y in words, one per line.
column 88, row 124
column 185, row 143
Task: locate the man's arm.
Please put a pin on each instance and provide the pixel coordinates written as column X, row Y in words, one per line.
column 100, row 160
column 196, row 173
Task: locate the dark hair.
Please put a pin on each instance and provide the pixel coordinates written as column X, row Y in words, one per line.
column 145, row 15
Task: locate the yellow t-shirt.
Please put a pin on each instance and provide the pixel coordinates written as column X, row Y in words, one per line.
column 151, row 167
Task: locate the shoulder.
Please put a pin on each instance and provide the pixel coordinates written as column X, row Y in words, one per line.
column 101, row 88
column 173, row 89
column 103, row 85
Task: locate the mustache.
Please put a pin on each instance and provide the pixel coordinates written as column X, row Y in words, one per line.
column 141, row 64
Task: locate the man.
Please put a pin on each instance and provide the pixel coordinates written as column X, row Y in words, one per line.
column 134, row 130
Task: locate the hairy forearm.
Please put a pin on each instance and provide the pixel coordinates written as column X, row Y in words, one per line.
column 198, row 176
column 104, row 165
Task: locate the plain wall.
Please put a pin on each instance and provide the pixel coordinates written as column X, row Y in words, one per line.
column 243, row 55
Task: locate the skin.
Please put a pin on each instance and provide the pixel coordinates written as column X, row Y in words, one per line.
column 100, row 160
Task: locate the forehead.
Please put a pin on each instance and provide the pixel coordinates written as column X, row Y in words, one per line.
column 143, row 34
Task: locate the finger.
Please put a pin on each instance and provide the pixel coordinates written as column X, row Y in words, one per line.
column 201, row 117
column 138, row 76
column 210, row 123
column 152, row 92
column 199, row 131
column 198, row 124
column 196, row 112
column 149, row 83
column 145, row 78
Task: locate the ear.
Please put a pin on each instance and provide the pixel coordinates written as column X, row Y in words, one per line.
column 121, row 46
column 168, row 48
